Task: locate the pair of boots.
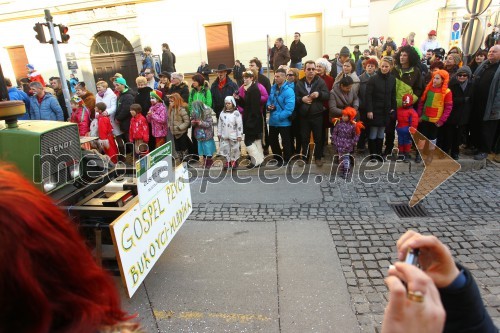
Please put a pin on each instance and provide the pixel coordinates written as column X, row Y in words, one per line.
column 256, row 153
column 345, row 166
column 208, row 162
column 231, row 164
column 375, row 149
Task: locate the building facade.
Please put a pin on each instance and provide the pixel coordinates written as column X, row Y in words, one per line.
column 109, row 36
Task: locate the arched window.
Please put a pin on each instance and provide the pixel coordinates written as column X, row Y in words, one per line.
column 110, row 42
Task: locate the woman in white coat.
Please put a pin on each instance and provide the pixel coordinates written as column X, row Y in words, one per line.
column 108, row 97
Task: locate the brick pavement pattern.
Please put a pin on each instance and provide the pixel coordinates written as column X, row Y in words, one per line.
column 464, row 214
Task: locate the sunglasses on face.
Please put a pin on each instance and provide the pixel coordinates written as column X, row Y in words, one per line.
column 290, row 75
column 310, row 69
column 463, row 75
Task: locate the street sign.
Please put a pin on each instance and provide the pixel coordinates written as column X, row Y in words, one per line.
column 456, row 29
column 141, row 234
column 153, row 171
column 71, row 61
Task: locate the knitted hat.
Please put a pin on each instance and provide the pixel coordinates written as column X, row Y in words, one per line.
column 157, row 94
column 464, row 70
column 165, row 74
column 30, row 67
column 432, row 33
column 344, row 51
column 121, row 81
column 230, row 99
column 199, row 79
column 177, row 75
column 77, row 100
column 407, row 100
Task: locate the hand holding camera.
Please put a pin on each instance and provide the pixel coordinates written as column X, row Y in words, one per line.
column 434, row 257
column 414, row 308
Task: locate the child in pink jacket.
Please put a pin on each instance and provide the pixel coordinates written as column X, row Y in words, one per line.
column 157, row 117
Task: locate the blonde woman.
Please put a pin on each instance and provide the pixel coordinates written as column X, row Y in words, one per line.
column 178, row 122
column 380, row 104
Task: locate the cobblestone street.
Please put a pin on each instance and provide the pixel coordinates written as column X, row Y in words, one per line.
column 464, row 213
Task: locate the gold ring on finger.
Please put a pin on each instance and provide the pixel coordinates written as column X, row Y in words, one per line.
column 416, row 296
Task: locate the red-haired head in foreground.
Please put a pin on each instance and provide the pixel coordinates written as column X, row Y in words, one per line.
column 49, row 281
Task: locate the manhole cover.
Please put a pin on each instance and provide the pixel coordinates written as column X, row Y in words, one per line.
column 403, row 210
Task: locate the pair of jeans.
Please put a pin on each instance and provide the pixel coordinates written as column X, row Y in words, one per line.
column 376, row 132
column 297, row 65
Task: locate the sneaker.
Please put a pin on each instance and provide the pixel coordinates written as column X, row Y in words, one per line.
column 455, row 156
column 226, row 165
column 497, row 158
column 480, row 156
column 319, row 163
column 418, row 159
column 233, row 165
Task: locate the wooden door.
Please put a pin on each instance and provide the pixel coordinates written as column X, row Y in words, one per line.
column 19, row 60
column 106, row 66
column 220, row 48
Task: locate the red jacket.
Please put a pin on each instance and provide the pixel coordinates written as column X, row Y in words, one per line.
column 107, row 138
column 139, row 129
column 81, row 116
column 407, row 117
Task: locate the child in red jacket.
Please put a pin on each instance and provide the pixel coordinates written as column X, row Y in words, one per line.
column 80, row 115
column 407, row 117
column 105, row 129
column 139, row 131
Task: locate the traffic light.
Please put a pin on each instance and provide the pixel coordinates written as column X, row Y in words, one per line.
column 64, row 33
column 40, row 35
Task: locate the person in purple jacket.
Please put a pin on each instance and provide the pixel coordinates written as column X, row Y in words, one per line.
column 345, row 136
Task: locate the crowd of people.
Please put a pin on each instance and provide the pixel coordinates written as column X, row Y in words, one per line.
column 390, row 88
column 449, row 102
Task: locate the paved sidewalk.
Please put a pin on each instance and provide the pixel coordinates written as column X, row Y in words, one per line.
column 362, row 229
column 247, row 277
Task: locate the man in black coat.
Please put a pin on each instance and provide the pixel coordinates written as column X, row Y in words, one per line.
column 297, row 52
column 238, row 70
column 204, row 70
column 55, row 83
column 167, row 59
column 125, row 100
column 310, row 93
column 222, row 87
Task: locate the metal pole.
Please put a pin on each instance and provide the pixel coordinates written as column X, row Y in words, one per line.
column 268, row 52
column 60, row 69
